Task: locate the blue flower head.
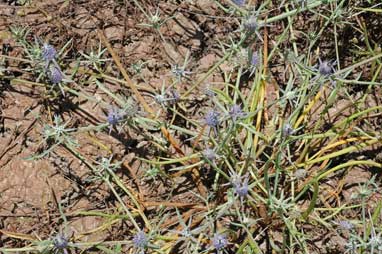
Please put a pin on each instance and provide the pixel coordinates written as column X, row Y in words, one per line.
column 251, row 24
column 345, row 225
column 114, row 116
column 48, row 52
column 236, row 112
column 219, row 241
column 255, row 59
column 239, row 2
column 287, row 130
column 210, row 154
column 325, row 68
column 241, row 189
column 212, row 120
column 240, row 184
column 140, row 240
column 55, row 75
column 60, row 242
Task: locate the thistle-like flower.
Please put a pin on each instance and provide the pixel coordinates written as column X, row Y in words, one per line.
column 140, row 240
column 345, row 225
column 241, row 189
column 179, row 72
column 239, row 2
column 239, row 184
column 106, row 165
column 114, row 116
column 48, row 52
column 325, row 68
column 375, row 242
column 212, row 120
column 219, row 241
column 287, row 130
column 60, row 242
column 55, row 75
column 160, row 99
column 236, row 112
column 251, row 24
column 210, row 154
column 255, row 60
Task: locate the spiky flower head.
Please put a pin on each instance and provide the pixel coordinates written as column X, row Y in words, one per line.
column 60, row 242
column 48, row 52
column 212, row 119
column 55, row 75
column 325, row 68
column 219, row 241
column 114, row 116
column 140, row 240
column 179, row 72
column 241, row 189
column 239, row 184
column 239, row 2
column 287, row 130
column 255, row 59
column 345, row 225
column 160, row 98
column 251, row 24
column 210, row 154
column 236, row 112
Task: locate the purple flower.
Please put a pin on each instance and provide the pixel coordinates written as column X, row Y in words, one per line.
column 325, row 68
column 255, row 59
column 179, row 72
column 60, row 242
column 240, row 184
column 239, row 2
column 210, row 154
column 345, row 225
column 212, row 120
column 219, row 241
column 140, row 240
column 48, row 52
column 251, row 24
column 55, row 75
column 241, row 189
column 287, row 130
column 114, row 116
column 236, row 112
